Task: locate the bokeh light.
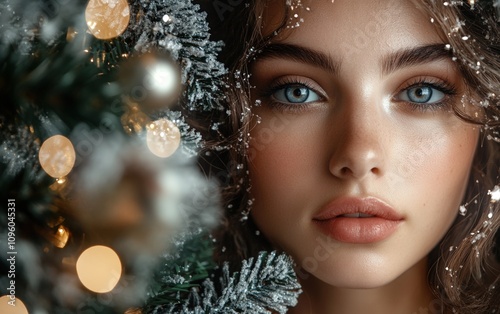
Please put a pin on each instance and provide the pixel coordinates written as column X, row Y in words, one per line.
column 99, row 269
column 57, row 156
column 163, row 78
column 495, row 194
column 163, row 137
column 7, row 308
column 107, row 19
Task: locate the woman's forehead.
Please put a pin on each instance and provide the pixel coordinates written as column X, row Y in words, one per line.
column 358, row 23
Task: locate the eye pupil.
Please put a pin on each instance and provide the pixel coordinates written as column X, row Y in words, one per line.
column 421, row 94
column 296, row 94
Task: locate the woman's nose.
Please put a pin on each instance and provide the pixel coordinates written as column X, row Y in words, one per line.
column 358, row 147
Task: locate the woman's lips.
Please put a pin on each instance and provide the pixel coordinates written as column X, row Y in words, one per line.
column 358, row 220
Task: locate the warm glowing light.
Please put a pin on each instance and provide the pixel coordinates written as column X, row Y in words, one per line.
column 59, row 185
column 12, row 305
column 57, row 156
column 162, row 78
column 134, row 120
column 163, row 137
column 71, row 34
column 107, row 19
column 61, row 237
column 99, row 269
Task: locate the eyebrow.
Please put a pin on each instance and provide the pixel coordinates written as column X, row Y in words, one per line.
column 394, row 61
column 414, row 56
column 300, row 54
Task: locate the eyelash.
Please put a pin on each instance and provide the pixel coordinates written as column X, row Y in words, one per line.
column 448, row 89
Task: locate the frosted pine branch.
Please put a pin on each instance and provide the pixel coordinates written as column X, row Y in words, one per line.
column 181, row 29
column 263, row 285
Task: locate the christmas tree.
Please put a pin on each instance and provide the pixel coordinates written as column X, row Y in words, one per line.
column 98, row 164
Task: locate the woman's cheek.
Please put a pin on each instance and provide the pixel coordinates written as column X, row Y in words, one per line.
column 282, row 147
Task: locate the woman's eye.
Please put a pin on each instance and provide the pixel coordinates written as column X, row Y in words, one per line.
column 296, row 94
column 422, row 94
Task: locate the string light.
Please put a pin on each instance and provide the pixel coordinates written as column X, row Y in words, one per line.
column 133, row 119
column 61, row 237
column 9, row 305
column 57, row 156
column 99, row 269
column 107, row 19
column 71, row 34
column 163, row 137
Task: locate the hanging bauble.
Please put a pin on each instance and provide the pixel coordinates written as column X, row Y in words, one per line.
column 152, row 80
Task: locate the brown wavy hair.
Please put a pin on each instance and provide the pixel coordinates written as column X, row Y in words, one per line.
column 465, row 265
column 464, row 268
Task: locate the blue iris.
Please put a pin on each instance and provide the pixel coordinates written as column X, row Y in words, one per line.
column 422, row 95
column 295, row 94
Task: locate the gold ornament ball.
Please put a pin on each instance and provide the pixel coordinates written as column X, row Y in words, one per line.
column 152, row 80
column 163, row 137
column 99, row 269
column 57, row 156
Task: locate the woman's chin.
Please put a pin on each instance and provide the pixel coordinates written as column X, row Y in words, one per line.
column 351, row 280
column 365, row 275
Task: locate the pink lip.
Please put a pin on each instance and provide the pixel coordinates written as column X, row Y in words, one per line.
column 384, row 222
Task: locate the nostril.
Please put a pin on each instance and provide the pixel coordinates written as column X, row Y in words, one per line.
column 345, row 171
column 358, row 173
column 351, row 163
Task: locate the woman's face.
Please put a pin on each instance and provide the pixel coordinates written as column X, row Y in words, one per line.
column 355, row 118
